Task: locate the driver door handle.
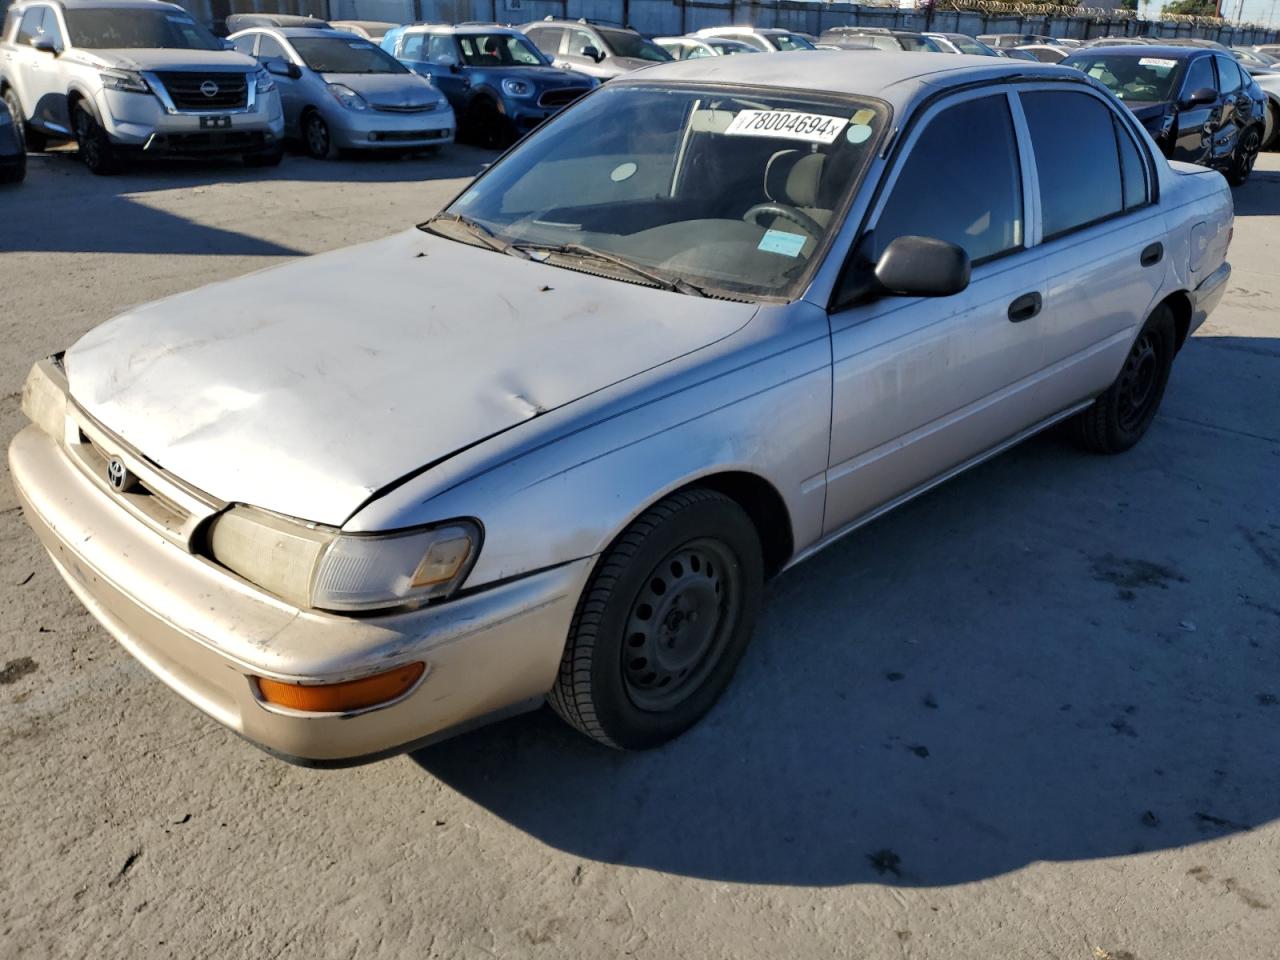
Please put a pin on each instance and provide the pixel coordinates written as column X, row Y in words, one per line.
column 1025, row 307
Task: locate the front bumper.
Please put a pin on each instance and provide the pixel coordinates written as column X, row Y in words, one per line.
column 206, row 633
column 140, row 120
column 388, row 130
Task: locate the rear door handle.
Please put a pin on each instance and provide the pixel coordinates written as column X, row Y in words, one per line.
column 1025, row 307
column 1153, row 254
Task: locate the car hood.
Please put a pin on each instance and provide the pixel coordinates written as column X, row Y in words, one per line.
column 306, row 388
column 165, row 59
column 547, row 77
column 620, row 65
column 388, row 89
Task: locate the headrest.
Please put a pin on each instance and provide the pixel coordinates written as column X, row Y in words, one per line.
column 793, row 177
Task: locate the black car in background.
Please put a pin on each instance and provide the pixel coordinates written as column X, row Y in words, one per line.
column 1196, row 102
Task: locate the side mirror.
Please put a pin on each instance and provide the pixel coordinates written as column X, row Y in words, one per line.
column 282, row 68
column 922, row 267
column 46, row 45
column 592, row 54
column 455, row 68
column 1198, row 98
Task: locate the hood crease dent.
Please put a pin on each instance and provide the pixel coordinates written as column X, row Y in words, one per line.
column 306, row 389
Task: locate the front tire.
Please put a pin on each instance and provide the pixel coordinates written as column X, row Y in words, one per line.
column 96, row 149
column 317, row 138
column 1119, row 418
column 663, row 622
column 487, row 127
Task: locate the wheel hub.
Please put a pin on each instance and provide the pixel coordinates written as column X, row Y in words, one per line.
column 676, row 624
column 1138, row 381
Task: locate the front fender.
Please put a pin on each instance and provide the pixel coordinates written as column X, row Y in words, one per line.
column 574, row 478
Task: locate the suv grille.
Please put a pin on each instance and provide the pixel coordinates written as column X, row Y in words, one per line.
column 188, row 90
column 561, row 97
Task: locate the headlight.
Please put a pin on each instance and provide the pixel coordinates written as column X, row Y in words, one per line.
column 124, row 81
column 263, row 81
column 368, row 572
column 517, row 88
column 321, row 568
column 348, row 97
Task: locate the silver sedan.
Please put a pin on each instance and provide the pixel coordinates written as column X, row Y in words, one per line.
column 697, row 327
column 342, row 92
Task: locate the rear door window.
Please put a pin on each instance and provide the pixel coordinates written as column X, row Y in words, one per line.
column 1229, row 78
column 1077, row 160
column 980, row 211
column 547, row 39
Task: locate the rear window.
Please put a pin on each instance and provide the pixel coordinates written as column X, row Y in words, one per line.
column 626, row 44
column 123, row 29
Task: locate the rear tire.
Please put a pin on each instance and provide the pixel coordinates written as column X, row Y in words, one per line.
column 33, row 140
column 1119, row 418
column 663, row 622
column 96, row 149
column 1244, row 156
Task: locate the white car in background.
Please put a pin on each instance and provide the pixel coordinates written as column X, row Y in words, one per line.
column 691, row 48
column 134, row 75
column 764, row 39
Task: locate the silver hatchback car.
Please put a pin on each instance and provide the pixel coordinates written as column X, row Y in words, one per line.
column 343, row 92
column 698, row 326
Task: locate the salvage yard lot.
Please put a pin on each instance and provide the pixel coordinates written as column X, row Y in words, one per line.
column 1033, row 714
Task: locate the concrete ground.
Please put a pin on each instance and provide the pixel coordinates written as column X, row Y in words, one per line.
column 1035, row 713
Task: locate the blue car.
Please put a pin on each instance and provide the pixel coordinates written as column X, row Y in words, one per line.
column 499, row 84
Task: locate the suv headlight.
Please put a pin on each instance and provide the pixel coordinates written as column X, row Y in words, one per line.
column 324, row 569
column 517, row 88
column 124, row 81
column 348, row 97
column 263, row 81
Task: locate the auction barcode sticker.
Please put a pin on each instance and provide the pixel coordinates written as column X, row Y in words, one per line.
column 1156, row 62
column 787, row 125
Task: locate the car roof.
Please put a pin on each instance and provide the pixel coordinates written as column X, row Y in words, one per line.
column 111, row 5
column 297, row 33
column 895, row 76
column 460, row 28
column 560, row 22
column 1150, row 50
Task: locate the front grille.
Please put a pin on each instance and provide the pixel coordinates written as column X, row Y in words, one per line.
column 188, row 91
column 421, row 108
column 561, row 97
column 221, row 141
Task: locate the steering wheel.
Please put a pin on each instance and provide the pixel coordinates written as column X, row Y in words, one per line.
column 798, row 217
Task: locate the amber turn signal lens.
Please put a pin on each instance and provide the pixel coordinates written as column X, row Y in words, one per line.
column 339, row 697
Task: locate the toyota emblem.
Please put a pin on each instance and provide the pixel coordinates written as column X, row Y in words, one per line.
column 118, row 475
column 209, row 88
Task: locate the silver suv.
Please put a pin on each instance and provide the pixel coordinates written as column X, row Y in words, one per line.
column 131, row 75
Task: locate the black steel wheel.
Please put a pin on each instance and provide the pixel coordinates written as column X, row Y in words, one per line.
column 96, row 149
column 1121, row 415
column 1245, row 156
column 663, row 622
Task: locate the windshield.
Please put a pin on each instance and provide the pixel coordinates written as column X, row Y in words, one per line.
column 917, row 44
column 499, row 50
column 789, row 41
column 626, row 44
column 973, row 47
column 727, row 48
column 728, row 189
column 345, row 55
column 120, row 29
column 1130, row 77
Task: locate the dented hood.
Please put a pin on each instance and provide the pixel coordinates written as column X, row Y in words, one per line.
column 305, row 388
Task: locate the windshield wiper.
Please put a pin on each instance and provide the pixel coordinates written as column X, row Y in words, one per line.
column 480, row 232
column 675, row 284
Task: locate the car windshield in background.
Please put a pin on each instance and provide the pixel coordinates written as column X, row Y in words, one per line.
column 789, row 41
column 1128, row 77
column 345, row 55
column 707, row 188
column 973, row 47
column 917, row 44
column 624, row 44
column 499, row 50
column 122, row 29
column 729, row 49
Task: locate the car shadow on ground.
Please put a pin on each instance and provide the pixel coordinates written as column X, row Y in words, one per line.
column 59, row 191
column 1260, row 196
column 1015, row 667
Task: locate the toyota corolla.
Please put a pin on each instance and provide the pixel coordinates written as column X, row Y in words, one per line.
column 700, row 325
